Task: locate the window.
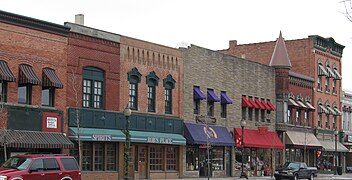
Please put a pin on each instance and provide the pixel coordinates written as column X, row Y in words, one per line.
column 289, row 118
column 256, row 114
column 223, row 102
column 48, row 95
column 334, row 122
column 327, row 85
column 98, row 156
column 319, row 83
column 3, row 91
column 210, row 108
column 217, row 158
column 24, row 93
column 327, row 122
column 152, row 82
column 93, row 80
column 196, row 105
column 169, row 85
column 319, row 119
column 192, row 158
column 156, row 158
column 262, row 115
column 268, row 115
column 69, row 164
column 134, row 78
column 171, row 158
column 250, row 114
column 50, row 164
column 223, row 110
column 334, row 86
column 151, row 98
column 306, row 118
column 244, row 112
column 298, row 117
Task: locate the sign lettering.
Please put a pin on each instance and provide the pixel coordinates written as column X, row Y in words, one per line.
column 98, row 137
column 51, row 122
column 159, row 140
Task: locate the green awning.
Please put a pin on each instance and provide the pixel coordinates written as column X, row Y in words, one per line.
column 95, row 134
column 157, row 138
column 330, row 146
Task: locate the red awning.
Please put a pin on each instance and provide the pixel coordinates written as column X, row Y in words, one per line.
column 255, row 105
column 245, row 103
column 261, row 106
column 267, row 107
column 273, row 108
column 258, row 139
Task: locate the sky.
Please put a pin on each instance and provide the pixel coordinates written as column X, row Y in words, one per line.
column 206, row 23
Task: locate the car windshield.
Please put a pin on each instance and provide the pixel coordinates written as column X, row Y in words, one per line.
column 293, row 166
column 17, row 163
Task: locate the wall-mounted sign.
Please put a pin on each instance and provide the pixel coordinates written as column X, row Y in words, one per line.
column 159, row 140
column 51, row 122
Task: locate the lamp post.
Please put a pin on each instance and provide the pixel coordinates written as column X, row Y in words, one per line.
column 126, row 153
column 243, row 123
column 336, row 133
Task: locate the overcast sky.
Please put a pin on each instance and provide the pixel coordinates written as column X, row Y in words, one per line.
column 206, row 23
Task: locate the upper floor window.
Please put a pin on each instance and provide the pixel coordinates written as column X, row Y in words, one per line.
column 27, row 78
column 211, row 98
column 321, row 70
column 319, row 119
column 169, row 85
column 6, row 76
column 93, row 87
column 298, row 117
column 50, row 82
column 337, row 74
column 197, row 96
column 152, row 82
column 334, row 86
column 134, row 78
column 327, row 85
column 224, row 100
column 319, row 83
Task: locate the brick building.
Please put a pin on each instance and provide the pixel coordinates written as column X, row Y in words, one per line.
column 318, row 58
column 33, row 56
column 219, row 91
column 151, row 77
column 347, row 126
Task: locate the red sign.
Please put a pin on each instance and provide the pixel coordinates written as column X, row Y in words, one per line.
column 51, row 122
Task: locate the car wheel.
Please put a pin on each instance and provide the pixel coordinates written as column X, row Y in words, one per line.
column 311, row 177
column 295, row 177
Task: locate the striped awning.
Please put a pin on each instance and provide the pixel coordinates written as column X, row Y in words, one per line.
column 50, row 79
column 6, row 73
column 37, row 139
column 27, row 75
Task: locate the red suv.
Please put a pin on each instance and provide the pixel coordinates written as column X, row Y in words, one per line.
column 36, row 167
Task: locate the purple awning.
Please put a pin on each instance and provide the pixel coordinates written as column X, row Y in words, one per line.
column 212, row 96
column 217, row 135
column 225, row 99
column 197, row 94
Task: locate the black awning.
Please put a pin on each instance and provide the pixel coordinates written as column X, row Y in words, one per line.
column 6, row 73
column 50, row 79
column 27, row 75
column 37, row 139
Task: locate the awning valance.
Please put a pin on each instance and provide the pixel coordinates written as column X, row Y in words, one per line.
column 212, row 96
column 225, row 99
column 292, row 102
column 330, row 146
column 301, row 104
column 157, row 138
column 6, row 73
column 217, row 135
column 27, row 75
column 310, row 106
column 302, row 139
column 256, row 139
column 37, row 139
column 198, row 94
column 50, row 79
column 246, row 103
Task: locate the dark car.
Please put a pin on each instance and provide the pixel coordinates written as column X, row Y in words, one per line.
column 34, row 167
column 296, row 170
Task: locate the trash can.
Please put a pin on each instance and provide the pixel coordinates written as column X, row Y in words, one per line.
column 339, row 170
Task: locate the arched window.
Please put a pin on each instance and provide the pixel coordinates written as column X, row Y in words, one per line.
column 169, row 85
column 152, row 81
column 134, row 77
column 93, row 88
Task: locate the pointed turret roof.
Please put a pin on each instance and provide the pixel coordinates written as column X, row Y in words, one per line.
column 280, row 58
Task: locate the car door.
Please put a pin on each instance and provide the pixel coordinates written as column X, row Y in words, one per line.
column 51, row 169
column 35, row 171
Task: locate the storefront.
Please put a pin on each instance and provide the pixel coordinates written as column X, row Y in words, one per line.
column 327, row 160
column 207, row 150
column 301, row 146
column 153, row 155
column 259, row 150
column 347, row 142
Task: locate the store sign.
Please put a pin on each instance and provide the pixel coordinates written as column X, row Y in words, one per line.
column 99, row 137
column 51, row 122
column 159, row 140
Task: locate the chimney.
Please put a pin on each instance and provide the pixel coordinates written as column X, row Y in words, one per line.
column 79, row 19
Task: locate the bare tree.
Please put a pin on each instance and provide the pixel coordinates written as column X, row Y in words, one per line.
column 76, row 89
column 348, row 9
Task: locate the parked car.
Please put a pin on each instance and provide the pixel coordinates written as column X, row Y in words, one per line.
column 296, row 170
column 34, row 167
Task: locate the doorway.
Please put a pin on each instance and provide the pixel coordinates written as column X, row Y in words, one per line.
column 203, row 163
column 142, row 161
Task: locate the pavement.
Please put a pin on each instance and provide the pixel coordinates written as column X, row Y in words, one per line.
column 345, row 176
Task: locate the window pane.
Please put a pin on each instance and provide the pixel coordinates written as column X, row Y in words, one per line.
column 87, row 156
column 99, row 157
column 111, row 157
column 171, row 158
column 156, row 155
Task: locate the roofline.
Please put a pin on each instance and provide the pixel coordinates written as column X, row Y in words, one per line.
column 32, row 23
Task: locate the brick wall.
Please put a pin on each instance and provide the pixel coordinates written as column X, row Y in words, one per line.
column 148, row 57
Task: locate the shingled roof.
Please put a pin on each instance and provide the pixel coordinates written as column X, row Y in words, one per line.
column 280, row 58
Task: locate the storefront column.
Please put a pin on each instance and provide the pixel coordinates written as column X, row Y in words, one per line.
column 284, row 150
column 121, row 159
